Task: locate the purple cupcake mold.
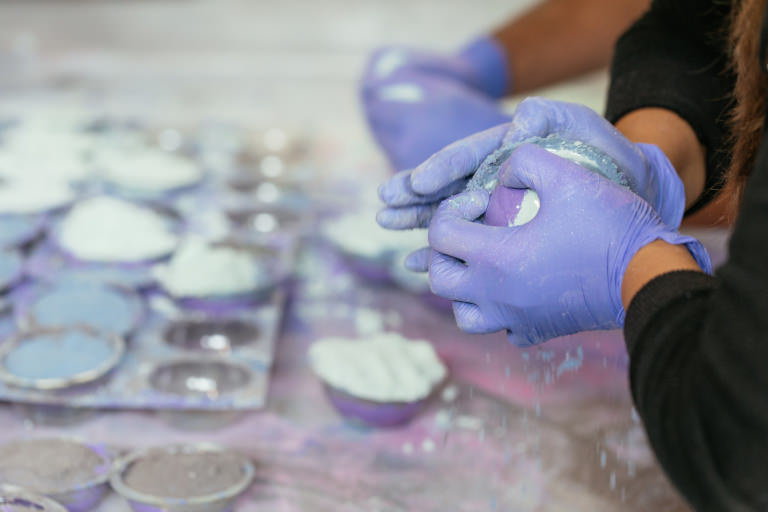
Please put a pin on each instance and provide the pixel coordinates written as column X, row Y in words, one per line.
column 371, row 413
column 79, row 488
column 16, row 499
column 49, row 264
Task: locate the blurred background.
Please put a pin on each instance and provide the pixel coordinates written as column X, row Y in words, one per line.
column 545, row 429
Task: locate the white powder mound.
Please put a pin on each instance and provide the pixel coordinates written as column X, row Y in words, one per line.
column 112, row 230
column 384, row 367
column 147, row 170
column 201, row 270
column 26, row 195
column 359, row 234
column 45, row 152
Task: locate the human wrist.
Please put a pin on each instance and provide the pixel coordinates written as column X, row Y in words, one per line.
column 488, row 59
column 675, row 138
column 662, row 256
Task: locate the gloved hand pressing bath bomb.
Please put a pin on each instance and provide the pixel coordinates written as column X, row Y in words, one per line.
column 412, row 198
column 558, row 274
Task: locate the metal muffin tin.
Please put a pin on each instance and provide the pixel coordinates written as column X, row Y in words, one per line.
column 220, row 501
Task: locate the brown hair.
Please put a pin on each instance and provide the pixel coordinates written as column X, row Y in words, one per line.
column 748, row 112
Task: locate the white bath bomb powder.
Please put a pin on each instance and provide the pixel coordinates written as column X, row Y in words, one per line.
column 201, row 270
column 147, row 170
column 384, row 367
column 27, row 195
column 361, row 235
column 112, row 230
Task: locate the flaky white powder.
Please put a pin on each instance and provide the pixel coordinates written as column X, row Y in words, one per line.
column 147, row 170
column 201, row 270
column 384, row 367
column 27, row 195
column 359, row 234
column 111, row 230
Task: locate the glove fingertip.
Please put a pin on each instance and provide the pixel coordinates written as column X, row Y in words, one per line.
column 418, row 261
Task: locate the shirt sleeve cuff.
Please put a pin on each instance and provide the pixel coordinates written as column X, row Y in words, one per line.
column 659, row 294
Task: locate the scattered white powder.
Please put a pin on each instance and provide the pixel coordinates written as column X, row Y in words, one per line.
column 148, row 170
column 401, row 93
column 198, row 269
column 385, row 367
column 450, row 393
column 106, row 229
column 469, row 422
column 428, row 445
column 443, row 419
column 360, row 234
column 26, row 195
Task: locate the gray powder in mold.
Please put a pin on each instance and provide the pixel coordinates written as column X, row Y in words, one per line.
column 486, row 176
column 49, row 465
column 184, row 475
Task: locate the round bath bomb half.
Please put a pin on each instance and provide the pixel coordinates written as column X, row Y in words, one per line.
column 511, row 207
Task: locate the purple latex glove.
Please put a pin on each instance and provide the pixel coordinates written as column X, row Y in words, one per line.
column 416, row 103
column 410, row 202
column 414, row 115
column 560, row 273
column 481, row 65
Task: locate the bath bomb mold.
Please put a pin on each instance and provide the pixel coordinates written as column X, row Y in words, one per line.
column 383, row 380
column 513, row 207
column 54, row 359
column 71, row 303
column 103, row 229
column 17, row 499
column 70, row 472
column 183, row 478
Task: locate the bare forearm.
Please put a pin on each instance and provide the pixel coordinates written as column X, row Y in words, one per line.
column 651, row 261
column 560, row 39
column 675, row 137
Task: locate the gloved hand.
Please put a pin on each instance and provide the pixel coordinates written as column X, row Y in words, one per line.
column 418, row 102
column 411, row 200
column 560, row 273
column 414, row 115
column 481, row 66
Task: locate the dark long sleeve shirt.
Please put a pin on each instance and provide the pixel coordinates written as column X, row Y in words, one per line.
column 698, row 344
column 676, row 57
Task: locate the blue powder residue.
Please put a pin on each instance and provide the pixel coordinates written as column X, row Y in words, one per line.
column 10, row 267
column 16, row 229
column 486, row 176
column 100, row 307
column 571, row 364
column 57, row 356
